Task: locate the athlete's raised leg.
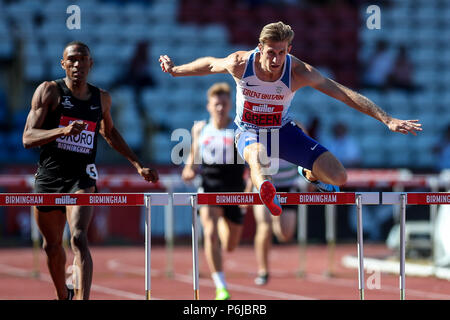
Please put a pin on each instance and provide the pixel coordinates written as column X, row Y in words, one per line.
column 327, row 172
column 316, row 163
column 255, row 155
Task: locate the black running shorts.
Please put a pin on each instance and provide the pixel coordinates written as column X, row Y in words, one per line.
column 46, row 182
column 233, row 213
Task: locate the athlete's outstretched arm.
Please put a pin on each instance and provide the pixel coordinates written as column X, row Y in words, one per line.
column 115, row 140
column 200, row 67
column 203, row 66
column 309, row 76
column 44, row 98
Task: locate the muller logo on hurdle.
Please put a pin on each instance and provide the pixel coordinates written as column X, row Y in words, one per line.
column 283, row 200
column 66, row 200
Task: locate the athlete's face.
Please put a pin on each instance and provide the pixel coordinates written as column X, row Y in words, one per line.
column 219, row 106
column 77, row 62
column 273, row 55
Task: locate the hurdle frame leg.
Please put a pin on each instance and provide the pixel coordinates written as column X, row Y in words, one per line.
column 148, row 246
column 195, row 271
column 402, row 244
column 35, row 237
column 330, row 233
column 302, row 236
column 169, row 234
column 360, row 245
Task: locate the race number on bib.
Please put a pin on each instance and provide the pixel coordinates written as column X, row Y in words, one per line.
column 262, row 115
column 81, row 143
column 91, row 170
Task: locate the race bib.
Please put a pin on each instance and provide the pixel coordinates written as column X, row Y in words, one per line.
column 262, row 115
column 81, row 143
column 91, row 170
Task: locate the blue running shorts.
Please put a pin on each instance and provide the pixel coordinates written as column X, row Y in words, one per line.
column 293, row 144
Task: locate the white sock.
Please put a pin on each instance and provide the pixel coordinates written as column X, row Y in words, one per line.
column 219, row 280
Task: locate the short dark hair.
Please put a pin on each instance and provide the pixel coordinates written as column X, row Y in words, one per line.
column 77, row 43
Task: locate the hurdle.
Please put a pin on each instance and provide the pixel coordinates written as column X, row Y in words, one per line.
column 410, row 198
column 285, row 198
column 96, row 199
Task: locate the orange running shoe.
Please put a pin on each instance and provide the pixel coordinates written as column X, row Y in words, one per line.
column 268, row 195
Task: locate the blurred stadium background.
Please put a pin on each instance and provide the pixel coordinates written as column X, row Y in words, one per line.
column 330, row 35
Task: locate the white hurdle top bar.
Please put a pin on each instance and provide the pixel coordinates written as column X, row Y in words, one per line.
column 417, row 198
column 82, row 199
column 286, row 198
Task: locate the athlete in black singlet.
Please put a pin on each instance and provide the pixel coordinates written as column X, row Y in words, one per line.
column 65, row 119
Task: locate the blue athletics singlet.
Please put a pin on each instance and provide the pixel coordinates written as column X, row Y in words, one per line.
column 265, row 105
column 261, row 104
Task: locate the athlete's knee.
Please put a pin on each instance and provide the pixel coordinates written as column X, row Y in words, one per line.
column 284, row 236
column 263, row 228
column 339, row 177
column 79, row 240
column 210, row 233
column 257, row 157
column 229, row 246
column 232, row 242
column 52, row 248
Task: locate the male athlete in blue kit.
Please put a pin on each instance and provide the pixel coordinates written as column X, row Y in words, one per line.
column 266, row 81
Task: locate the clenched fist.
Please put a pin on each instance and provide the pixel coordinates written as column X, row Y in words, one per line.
column 149, row 174
column 74, row 128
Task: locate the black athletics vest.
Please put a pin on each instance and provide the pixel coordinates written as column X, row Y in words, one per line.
column 69, row 155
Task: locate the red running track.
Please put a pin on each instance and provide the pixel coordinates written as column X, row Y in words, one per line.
column 119, row 274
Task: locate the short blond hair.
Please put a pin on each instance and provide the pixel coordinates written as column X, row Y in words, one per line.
column 218, row 89
column 276, row 31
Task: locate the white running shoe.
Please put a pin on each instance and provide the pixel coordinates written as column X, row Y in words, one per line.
column 323, row 187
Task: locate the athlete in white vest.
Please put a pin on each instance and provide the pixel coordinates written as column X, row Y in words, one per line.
column 214, row 157
column 266, row 79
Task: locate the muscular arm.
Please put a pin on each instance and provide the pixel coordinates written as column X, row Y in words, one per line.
column 193, row 160
column 44, row 99
column 232, row 64
column 115, row 140
column 306, row 75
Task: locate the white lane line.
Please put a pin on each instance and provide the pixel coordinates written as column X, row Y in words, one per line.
column 317, row 278
column 118, row 266
column 25, row 273
column 241, row 288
